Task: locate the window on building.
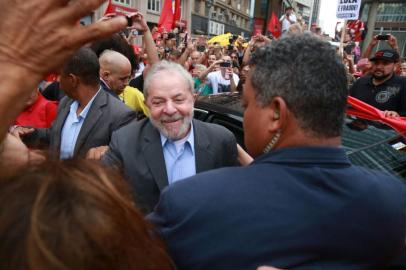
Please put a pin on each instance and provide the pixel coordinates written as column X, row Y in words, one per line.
column 391, row 12
column 123, row 2
column 154, row 5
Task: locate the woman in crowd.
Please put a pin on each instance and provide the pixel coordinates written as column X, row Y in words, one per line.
column 74, row 215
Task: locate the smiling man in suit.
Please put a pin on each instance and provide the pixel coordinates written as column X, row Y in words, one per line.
column 170, row 145
column 87, row 116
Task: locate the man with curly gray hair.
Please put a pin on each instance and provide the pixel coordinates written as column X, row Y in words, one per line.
column 300, row 204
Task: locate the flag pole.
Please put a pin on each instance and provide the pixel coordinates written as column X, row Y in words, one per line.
column 343, row 32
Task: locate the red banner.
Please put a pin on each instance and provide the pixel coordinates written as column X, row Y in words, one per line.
column 361, row 109
column 258, row 26
column 119, row 9
column 166, row 18
column 273, row 26
column 176, row 14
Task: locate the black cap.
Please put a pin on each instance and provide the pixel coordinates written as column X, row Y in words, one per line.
column 171, row 35
column 386, row 55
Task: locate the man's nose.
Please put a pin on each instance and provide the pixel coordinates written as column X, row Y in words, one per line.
column 169, row 108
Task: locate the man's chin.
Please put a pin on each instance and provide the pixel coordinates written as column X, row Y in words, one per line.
column 380, row 76
column 173, row 131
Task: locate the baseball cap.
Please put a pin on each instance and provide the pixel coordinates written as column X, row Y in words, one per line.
column 387, row 55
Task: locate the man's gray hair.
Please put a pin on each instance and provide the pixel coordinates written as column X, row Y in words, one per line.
column 168, row 67
column 308, row 74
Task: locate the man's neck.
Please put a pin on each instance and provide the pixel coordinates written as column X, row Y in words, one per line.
column 379, row 82
column 86, row 94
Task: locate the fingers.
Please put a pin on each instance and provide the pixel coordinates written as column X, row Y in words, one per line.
column 391, row 114
column 97, row 30
column 96, row 153
column 77, row 9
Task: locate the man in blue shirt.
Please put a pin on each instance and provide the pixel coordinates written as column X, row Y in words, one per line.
column 86, row 116
column 168, row 146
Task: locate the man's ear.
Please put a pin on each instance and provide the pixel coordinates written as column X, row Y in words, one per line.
column 74, row 80
column 278, row 114
column 104, row 74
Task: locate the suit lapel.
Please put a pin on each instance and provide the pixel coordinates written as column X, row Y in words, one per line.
column 203, row 155
column 59, row 122
column 154, row 156
column 95, row 112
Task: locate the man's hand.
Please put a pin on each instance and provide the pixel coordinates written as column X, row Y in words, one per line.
column 107, row 17
column 374, row 41
column 37, row 36
column 243, row 157
column 14, row 155
column 391, row 114
column 393, row 42
column 19, row 131
column 139, row 23
column 96, row 153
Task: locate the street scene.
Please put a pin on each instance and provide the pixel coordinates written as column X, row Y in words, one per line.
column 203, row 134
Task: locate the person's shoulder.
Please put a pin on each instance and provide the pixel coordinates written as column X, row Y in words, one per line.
column 211, row 128
column 379, row 183
column 133, row 91
column 210, row 183
column 133, row 127
column 399, row 79
column 213, row 74
column 114, row 104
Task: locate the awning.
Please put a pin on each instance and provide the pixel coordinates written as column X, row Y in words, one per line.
column 119, row 9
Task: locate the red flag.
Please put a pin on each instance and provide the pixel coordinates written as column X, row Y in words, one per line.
column 366, row 111
column 166, row 18
column 110, row 8
column 176, row 14
column 273, row 26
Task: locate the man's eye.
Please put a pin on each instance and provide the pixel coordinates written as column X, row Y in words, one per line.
column 157, row 102
column 179, row 100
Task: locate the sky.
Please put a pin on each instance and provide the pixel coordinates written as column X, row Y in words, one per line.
column 327, row 16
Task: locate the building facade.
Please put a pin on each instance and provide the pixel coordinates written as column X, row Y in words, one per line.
column 315, row 12
column 150, row 8
column 217, row 17
column 385, row 17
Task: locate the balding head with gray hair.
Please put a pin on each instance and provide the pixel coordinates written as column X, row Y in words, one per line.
column 170, row 67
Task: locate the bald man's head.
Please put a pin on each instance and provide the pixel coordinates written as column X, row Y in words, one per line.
column 115, row 70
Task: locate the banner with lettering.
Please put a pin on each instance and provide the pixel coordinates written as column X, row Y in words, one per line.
column 348, row 9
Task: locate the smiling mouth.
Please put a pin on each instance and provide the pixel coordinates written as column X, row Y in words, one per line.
column 171, row 121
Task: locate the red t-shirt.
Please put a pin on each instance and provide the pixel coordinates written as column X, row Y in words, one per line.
column 41, row 114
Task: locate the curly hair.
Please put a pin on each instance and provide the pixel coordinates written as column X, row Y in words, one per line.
column 308, row 74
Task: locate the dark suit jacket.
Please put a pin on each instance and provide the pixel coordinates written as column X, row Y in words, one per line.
column 297, row 208
column 105, row 116
column 137, row 149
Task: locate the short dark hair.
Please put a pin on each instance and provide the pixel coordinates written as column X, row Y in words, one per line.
column 308, row 74
column 84, row 64
column 117, row 43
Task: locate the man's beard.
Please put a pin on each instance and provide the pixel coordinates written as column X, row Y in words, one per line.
column 173, row 134
column 381, row 77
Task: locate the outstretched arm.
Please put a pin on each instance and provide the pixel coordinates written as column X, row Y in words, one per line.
column 37, row 36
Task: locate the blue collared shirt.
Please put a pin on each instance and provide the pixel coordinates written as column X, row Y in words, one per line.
column 71, row 128
column 179, row 157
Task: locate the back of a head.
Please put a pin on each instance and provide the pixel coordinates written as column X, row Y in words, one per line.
column 74, row 215
column 84, row 64
column 118, row 44
column 308, row 74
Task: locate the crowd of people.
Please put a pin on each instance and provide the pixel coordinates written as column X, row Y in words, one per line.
column 104, row 166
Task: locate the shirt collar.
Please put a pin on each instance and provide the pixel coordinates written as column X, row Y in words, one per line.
column 74, row 107
column 190, row 138
column 306, row 155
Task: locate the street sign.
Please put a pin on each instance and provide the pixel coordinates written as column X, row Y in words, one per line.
column 348, row 9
